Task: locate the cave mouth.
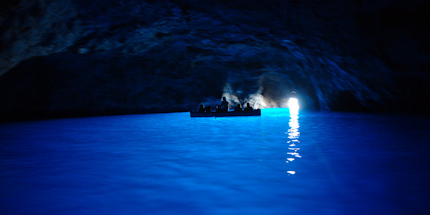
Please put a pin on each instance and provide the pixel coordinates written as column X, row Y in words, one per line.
column 269, row 90
column 293, row 103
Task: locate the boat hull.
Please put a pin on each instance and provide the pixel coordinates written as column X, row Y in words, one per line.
column 227, row 114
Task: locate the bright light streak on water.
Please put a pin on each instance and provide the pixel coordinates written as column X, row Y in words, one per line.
column 283, row 162
column 293, row 132
column 293, row 105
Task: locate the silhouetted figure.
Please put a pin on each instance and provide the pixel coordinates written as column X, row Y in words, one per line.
column 201, row 109
column 238, row 108
column 224, row 105
column 248, row 107
column 208, row 109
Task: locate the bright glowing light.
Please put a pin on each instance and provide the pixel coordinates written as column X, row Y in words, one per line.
column 293, row 104
column 291, row 172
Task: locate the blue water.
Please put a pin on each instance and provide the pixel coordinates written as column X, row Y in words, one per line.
column 279, row 163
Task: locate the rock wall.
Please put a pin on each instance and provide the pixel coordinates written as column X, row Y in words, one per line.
column 80, row 58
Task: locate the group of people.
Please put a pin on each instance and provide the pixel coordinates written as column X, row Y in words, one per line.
column 223, row 107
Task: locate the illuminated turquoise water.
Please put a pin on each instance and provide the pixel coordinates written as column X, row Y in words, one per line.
column 310, row 163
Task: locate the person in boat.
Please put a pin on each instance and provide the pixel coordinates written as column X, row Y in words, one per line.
column 208, row 109
column 248, row 107
column 201, row 109
column 224, row 105
column 238, row 108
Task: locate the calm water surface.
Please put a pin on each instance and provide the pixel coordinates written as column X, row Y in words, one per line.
column 279, row 163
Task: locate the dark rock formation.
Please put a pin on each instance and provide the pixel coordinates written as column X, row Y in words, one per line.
column 79, row 58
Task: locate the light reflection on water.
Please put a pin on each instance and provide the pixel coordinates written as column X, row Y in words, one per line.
column 165, row 163
column 293, row 134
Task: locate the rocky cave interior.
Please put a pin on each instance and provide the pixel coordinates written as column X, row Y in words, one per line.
column 85, row 58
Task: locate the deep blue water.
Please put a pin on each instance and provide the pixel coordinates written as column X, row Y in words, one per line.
column 310, row 163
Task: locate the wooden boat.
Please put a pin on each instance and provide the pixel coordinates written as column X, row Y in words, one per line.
column 226, row 114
